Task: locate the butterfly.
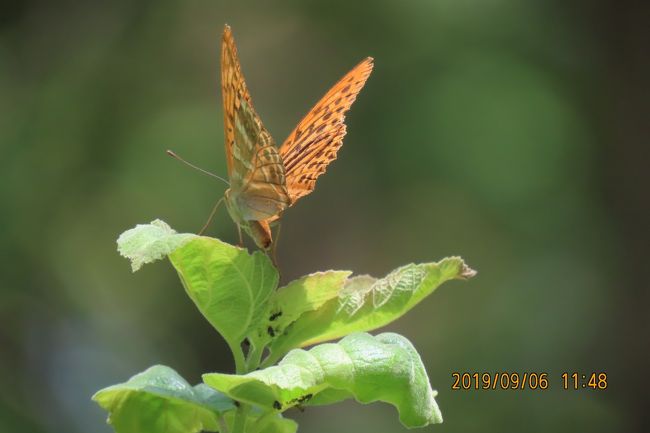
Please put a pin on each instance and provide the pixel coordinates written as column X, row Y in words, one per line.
column 265, row 180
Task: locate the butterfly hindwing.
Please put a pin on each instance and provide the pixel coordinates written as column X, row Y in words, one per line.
column 314, row 143
column 255, row 168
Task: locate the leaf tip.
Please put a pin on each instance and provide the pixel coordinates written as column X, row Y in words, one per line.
column 146, row 243
column 461, row 270
column 466, row 272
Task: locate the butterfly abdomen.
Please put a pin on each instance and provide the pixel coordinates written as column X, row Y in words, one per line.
column 261, row 233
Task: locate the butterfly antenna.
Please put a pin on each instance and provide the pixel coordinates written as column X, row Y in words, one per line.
column 173, row 155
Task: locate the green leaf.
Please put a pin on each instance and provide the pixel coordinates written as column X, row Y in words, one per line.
column 279, row 424
column 366, row 303
column 383, row 368
column 298, row 297
column 229, row 286
column 147, row 243
column 264, row 422
column 159, row 400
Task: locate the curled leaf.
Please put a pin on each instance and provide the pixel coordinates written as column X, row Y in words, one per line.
column 146, row 243
column 305, row 294
column 365, row 303
column 383, row 368
column 159, row 400
column 264, row 422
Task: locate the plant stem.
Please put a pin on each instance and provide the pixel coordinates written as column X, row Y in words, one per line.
column 223, row 425
column 241, row 416
column 241, row 367
column 240, row 361
column 263, row 421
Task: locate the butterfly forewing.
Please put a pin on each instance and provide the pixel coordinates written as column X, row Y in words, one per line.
column 314, row 143
column 255, row 169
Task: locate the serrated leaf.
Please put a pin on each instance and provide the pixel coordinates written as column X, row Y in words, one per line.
column 383, row 368
column 229, row 286
column 159, row 400
column 366, row 303
column 146, row 243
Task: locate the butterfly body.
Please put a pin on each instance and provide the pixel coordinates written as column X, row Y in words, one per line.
column 266, row 180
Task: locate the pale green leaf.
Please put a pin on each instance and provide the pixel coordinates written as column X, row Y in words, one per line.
column 158, row 400
column 305, row 294
column 146, row 243
column 260, row 421
column 366, row 303
column 229, row 286
column 279, row 424
column 383, row 368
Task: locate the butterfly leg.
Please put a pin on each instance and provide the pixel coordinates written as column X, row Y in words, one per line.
column 214, row 211
column 274, row 260
column 274, row 248
column 270, row 253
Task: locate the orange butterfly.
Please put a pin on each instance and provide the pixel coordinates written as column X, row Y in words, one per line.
column 265, row 180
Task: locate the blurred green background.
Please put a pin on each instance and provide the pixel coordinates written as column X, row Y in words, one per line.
column 508, row 132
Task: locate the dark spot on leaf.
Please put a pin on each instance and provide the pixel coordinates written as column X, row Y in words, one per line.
column 236, row 403
column 270, row 331
column 275, row 316
column 277, row 405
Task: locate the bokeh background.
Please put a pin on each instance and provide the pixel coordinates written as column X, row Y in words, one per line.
column 511, row 133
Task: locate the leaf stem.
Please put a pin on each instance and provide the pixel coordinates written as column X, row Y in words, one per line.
column 263, row 421
column 222, row 424
column 241, row 416
column 240, row 360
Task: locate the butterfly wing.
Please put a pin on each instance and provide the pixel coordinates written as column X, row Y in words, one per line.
column 313, row 144
column 255, row 169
